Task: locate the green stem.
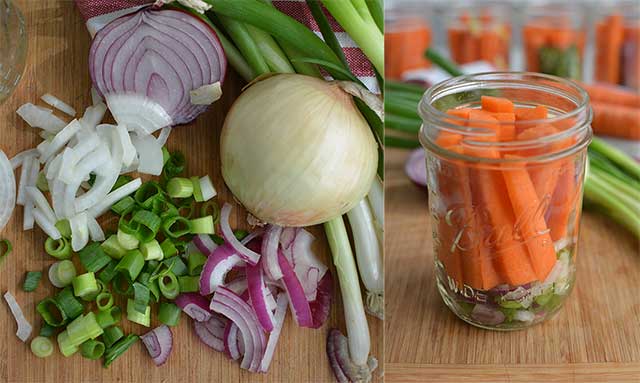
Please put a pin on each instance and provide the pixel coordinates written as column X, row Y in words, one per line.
column 600, row 178
column 402, row 124
column 377, row 12
column 595, row 191
column 404, row 87
column 400, row 142
column 326, row 30
column 446, row 65
column 620, row 186
column 400, row 107
column 273, row 55
column 617, row 156
column 249, row 49
column 356, row 20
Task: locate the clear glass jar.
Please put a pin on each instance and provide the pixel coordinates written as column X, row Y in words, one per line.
column 13, row 47
column 480, row 33
column 407, row 35
column 505, row 214
column 617, row 45
column 553, row 39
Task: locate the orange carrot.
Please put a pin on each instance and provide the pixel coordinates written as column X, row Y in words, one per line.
column 405, row 43
column 459, row 112
column 537, row 113
column 562, row 201
column 507, row 127
column 616, row 121
column 530, row 223
column 631, row 64
column 496, row 104
column 447, row 139
column 609, row 38
column 612, row 94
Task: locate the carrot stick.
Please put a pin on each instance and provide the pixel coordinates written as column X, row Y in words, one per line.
column 609, row 38
column 612, row 94
column 530, row 224
column 525, row 114
column 496, row 104
column 562, row 200
column 455, row 44
column 447, row 139
column 616, row 121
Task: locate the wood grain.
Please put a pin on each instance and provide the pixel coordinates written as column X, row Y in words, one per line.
column 599, row 325
column 57, row 64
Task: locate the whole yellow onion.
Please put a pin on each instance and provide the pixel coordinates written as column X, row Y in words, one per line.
column 296, row 151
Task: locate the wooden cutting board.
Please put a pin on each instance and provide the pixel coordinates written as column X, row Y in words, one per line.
column 57, row 64
column 594, row 338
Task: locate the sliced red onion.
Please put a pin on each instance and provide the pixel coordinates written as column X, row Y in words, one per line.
column 270, row 244
column 246, row 254
column 238, row 285
column 194, row 305
column 258, row 292
column 288, row 236
column 257, row 233
column 416, row 167
column 281, row 312
column 159, row 343
column 24, row 327
column 211, row 332
column 307, row 266
column 239, row 312
column 343, row 367
column 160, row 54
column 321, row 306
column 231, row 341
column 7, row 190
column 218, row 264
column 299, row 304
column 487, row 315
column 204, row 243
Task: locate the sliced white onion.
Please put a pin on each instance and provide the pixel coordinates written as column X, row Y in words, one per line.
column 149, row 155
column 7, row 190
column 28, row 220
column 164, row 135
column 66, row 166
column 60, row 139
column 41, row 203
column 93, row 115
column 79, row 231
column 95, row 231
column 138, row 112
column 47, row 225
column 24, row 327
column 128, row 150
column 281, row 312
column 115, row 196
column 206, row 186
column 206, row 94
column 58, row 104
column 52, row 167
column 57, row 188
column 19, row 158
column 25, row 171
column 38, row 117
column 95, row 97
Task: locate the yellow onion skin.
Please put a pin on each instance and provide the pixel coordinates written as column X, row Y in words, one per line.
column 296, row 151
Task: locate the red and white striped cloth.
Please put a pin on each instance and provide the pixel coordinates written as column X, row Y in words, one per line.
column 98, row 13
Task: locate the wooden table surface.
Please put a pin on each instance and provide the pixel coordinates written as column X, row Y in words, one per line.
column 594, row 338
column 57, row 64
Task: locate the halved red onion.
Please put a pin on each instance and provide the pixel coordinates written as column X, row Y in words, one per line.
column 159, row 343
column 299, row 304
column 245, row 253
column 231, row 341
column 194, row 305
column 281, row 312
column 204, row 243
column 161, row 54
column 321, row 306
column 211, row 332
column 218, row 264
column 270, row 244
column 227, row 303
column 7, row 190
column 416, row 167
column 258, row 292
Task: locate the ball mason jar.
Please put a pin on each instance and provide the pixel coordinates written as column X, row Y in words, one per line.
column 505, row 214
column 13, row 47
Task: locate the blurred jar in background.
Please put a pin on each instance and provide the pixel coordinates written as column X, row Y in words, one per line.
column 553, row 38
column 480, row 33
column 406, row 37
column 13, row 47
column 617, row 46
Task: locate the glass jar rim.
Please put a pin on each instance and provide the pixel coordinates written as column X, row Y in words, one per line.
column 473, row 82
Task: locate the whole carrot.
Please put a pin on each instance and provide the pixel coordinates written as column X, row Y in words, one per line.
column 612, row 94
column 616, row 121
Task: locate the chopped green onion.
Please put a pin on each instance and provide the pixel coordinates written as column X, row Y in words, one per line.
column 31, row 281
column 64, row 228
column 163, row 208
column 113, row 352
column 84, row 284
column 169, row 314
column 41, row 347
column 92, row 349
column 93, row 257
column 140, row 297
column 197, row 192
column 202, row 225
column 165, row 155
column 42, row 182
column 122, row 284
column 151, row 250
column 134, row 316
column 124, row 205
column 148, row 224
column 5, row 248
column 51, row 312
column 195, row 262
column 176, row 227
column 47, row 330
column 174, row 165
column 92, row 297
column 218, row 240
column 109, row 272
column 108, row 318
column 211, row 208
column 189, row 205
column 177, row 266
column 168, row 249
column 111, row 335
column 121, row 181
column 67, row 348
column 147, row 193
column 132, row 264
column 84, row 328
column 60, row 248
column 179, row 187
column 113, row 248
column 189, row 284
column 240, row 234
column 145, row 279
column 70, row 306
column 127, row 241
column 62, row 273
column 101, row 298
column 168, row 284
